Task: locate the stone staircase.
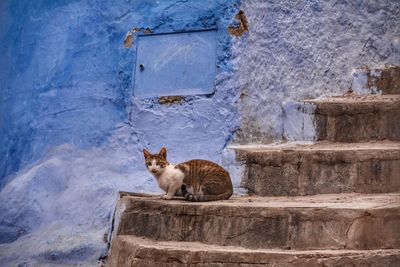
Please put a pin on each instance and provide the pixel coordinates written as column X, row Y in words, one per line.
column 333, row 202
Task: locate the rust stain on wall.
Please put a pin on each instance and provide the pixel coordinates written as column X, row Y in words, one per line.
column 243, row 25
column 170, row 100
column 128, row 41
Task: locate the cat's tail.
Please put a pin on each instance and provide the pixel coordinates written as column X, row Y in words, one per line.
column 200, row 198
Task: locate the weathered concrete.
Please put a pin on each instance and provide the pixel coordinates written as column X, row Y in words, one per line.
column 135, row 251
column 384, row 80
column 292, row 169
column 358, row 118
column 389, row 81
column 307, row 49
column 344, row 221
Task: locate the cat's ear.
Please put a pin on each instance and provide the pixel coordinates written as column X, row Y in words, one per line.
column 163, row 153
column 146, row 153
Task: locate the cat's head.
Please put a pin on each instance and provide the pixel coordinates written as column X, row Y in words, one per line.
column 156, row 163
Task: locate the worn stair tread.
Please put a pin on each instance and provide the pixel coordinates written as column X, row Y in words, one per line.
column 355, row 104
column 198, row 246
column 357, row 118
column 327, row 201
column 318, row 152
column 320, row 146
column 336, row 221
column 138, row 250
column 323, row 167
column 356, row 99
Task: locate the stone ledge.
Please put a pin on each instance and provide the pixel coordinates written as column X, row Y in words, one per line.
column 357, row 118
column 350, row 221
column 323, row 167
column 136, row 251
column 355, row 104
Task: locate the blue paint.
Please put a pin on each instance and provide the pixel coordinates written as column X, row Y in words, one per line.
column 59, row 84
column 175, row 64
column 71, row 129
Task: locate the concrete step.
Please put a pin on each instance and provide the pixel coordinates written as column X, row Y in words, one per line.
column 357, row 118
column 341, row 221
column 136, row 251
column 292, row 168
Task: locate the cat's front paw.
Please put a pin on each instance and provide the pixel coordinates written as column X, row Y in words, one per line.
column 166, row 197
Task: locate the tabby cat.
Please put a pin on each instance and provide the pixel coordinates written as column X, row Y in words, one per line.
column 196, row 180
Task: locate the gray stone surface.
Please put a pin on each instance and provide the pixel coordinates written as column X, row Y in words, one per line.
column 134, row 251
column 343, row 221
column 305, row 169
column 358, row 118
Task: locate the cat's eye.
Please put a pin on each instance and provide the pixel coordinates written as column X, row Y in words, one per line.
column 162, row 165
column 148, row 163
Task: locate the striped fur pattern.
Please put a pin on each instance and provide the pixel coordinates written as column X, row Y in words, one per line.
column 205, row 181
column 196, row 180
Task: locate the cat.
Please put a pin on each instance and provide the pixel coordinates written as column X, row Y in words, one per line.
column 169, row 178
column 195, row 180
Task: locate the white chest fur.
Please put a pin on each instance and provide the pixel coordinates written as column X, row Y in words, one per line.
column 170, row 179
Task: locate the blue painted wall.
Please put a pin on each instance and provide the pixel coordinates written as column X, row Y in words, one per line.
column 71, row 132
column 66, row 77
column 60, row 83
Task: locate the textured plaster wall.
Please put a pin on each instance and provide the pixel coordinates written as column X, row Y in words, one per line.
column 66, row 77
column 71, row 132
column 305, row 49
column 60, row 84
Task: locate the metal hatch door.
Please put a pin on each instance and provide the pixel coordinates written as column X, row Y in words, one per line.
column 175, row 64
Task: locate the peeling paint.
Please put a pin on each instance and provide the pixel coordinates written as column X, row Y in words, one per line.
column 243, row 25
column 128, row 41
column 170, row 100
column 383, row 80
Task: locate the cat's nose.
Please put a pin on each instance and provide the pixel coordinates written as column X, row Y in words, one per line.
column 154, row 171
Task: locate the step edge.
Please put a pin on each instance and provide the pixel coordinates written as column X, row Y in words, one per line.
column 151, row 242
column 314, row 146
column 390, row 201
